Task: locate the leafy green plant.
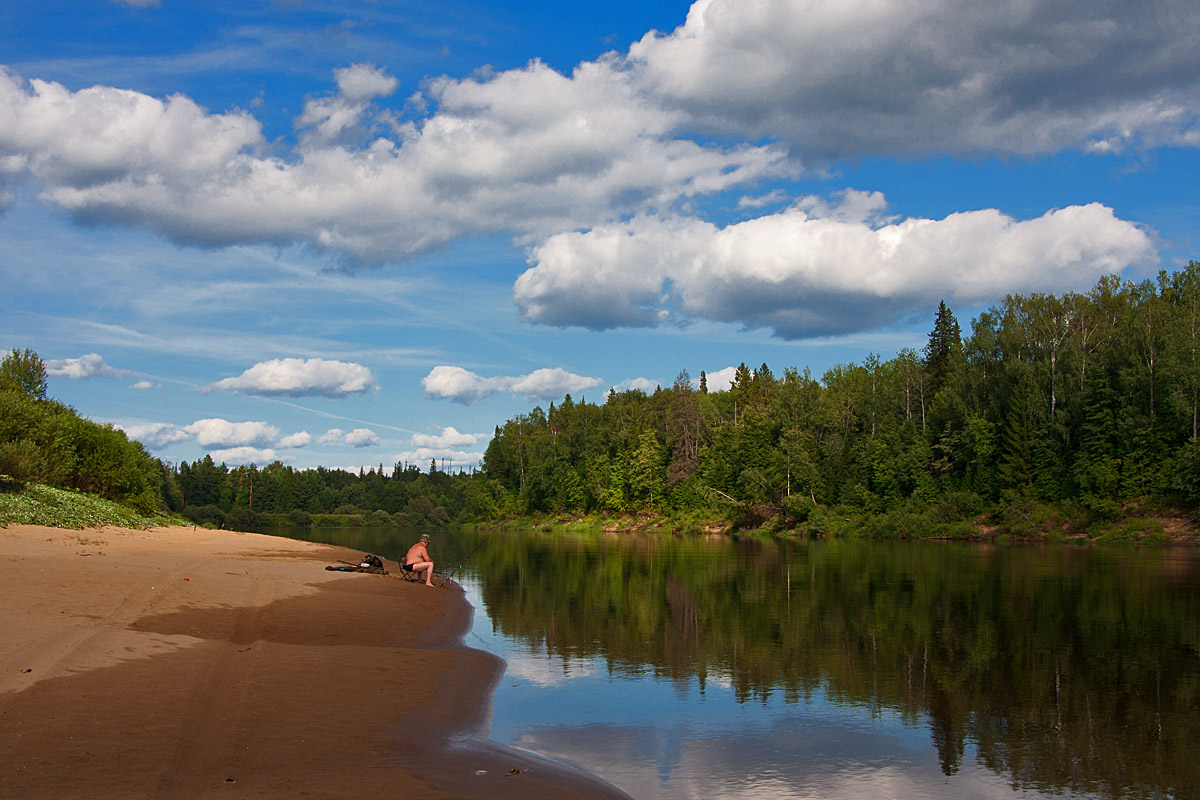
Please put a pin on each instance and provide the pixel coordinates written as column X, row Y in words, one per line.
column 63, row 508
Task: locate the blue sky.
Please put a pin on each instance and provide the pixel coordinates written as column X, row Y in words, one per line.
column 358, row 233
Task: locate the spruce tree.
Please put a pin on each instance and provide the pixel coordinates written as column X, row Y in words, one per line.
column 944, row 348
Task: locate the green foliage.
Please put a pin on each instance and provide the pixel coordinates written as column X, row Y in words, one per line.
column 1137, row 530
column 1085, row 402
column 42, row 441
column 63, row 508
column 1082, row 400
column 23, row 372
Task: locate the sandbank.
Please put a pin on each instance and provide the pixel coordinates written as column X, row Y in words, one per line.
column 190, row 663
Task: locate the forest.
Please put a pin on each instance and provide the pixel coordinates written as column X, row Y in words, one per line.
column 1053, row 413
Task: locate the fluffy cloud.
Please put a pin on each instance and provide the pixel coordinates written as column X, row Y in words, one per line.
column 533, row 151
column 243, row 455
column 718, row 381
column 817, row 268
column 297, row 377
column 449, row 437
column 155, row 434
column 528, row 151
column 298, row 439
column 220, row 433
column 446, row 448
column 850, row 79
column 143, row 386
column 90, row 366
column 464, row 386
column 362, row 437
column 339, row 118
column 359, row 437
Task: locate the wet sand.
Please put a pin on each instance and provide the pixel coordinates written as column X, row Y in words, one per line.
column 190, row 663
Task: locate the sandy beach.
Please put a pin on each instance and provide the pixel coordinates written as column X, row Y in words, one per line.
column 188, row 663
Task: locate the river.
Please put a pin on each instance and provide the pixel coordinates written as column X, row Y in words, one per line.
column 721, row 667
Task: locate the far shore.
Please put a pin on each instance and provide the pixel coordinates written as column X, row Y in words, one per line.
column 192, row 663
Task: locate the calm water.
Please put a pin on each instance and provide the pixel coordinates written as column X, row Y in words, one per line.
column 722, row 668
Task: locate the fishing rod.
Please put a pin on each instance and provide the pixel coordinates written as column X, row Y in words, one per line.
column 482, row 542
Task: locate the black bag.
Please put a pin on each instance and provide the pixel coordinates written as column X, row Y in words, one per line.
column 371, row 563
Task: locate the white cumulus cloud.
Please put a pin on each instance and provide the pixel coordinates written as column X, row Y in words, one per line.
column 298, row 377
column 527, row 151
column 332, row 436
column 359, row 437
column 298, row 439
column 866, row 77
column 464, row 386
column 362, row 437
column 449, row 437
column 818, row 267
column 156, row 434
column 220, row 433
column 718, row 381
column 448, row 448
column 740, row 92
column 243, row 455
column 89, row 366
column 340, row 117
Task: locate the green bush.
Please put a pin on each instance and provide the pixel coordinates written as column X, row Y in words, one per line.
column 23, row 461
column 206, row 516
column 243, row 519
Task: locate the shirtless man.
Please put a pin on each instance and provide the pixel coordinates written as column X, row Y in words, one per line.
column 417, row 559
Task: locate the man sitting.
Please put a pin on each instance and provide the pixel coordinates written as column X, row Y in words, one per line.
column 417, row 559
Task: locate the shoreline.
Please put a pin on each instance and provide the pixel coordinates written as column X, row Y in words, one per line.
column 182, row 662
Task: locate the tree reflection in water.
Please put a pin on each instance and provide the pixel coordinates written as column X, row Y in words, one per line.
column 1062, row 669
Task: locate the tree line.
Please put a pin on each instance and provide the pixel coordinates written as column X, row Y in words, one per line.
column 43, row 441
column 1052, row 410
column 1082, row 405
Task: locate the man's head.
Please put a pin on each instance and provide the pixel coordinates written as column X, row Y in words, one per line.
column 424, row 538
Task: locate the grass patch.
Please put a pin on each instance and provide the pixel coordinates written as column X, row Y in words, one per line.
column 1146, row 530
column 62, row 508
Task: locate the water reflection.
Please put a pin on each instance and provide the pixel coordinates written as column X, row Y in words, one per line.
column 721, row 668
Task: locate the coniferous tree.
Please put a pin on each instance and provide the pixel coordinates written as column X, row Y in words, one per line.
column 1016, row 462
column 944, row 348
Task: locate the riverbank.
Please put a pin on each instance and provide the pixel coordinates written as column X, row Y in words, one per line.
column 1030, row 522
column 181, row 662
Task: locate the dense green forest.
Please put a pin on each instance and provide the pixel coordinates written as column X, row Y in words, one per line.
column 1076, row 410
column 1053, row 413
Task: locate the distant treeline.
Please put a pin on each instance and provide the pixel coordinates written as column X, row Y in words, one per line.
column 249, row 497
column 43, row 441
column 1081, row 407
column 1053, row 412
